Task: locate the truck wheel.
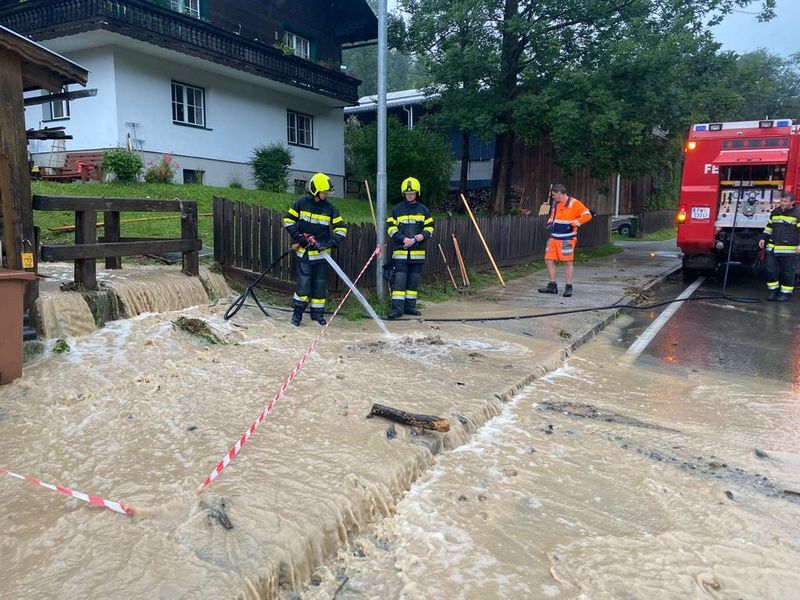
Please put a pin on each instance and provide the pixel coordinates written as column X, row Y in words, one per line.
column 624, row 230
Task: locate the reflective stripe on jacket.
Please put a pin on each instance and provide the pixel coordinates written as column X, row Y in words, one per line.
column 408, row 219
column 560, row 220
column 782, row 232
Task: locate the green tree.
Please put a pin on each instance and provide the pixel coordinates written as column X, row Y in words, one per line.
column 416, row 152
column 769, row 85
column 527, row 50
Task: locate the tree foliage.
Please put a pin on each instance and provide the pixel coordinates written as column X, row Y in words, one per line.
column 613, row 80
column 416, row 152
column 271, row 165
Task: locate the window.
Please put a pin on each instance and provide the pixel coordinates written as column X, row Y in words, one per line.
column 300, row 129
column 300, row 45
column 300, row 186
column 188, row 104
column 56, row 110
column 193, row 176
column 190, row 8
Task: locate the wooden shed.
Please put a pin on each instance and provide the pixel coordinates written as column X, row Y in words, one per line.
column 25, row 66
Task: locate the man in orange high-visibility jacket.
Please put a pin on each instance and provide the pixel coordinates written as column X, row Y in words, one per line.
column 566, row 215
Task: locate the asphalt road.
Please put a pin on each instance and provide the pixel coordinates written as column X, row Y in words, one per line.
column 760, row 340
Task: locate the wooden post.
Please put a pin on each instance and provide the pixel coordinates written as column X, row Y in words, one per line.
column 86, row 233
column 449, row 272
column 371, row 209
column 191, row 262
column 483, row 240
column 7, row 212
column 111, row 229
column 461, row 265
column 14, row 146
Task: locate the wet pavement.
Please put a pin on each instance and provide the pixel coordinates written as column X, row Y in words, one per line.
column 141, row 411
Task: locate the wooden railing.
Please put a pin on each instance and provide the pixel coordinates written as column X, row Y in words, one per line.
column 142, row 20
column 250, row 238
column 87, row 249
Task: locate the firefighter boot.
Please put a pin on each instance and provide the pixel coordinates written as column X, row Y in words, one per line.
column 318, row 315
column 551, row 288
column 772, row 296
column 784, row 297
column 397, row 309
column 568, row 290
column 297, row 315
column 411, row 308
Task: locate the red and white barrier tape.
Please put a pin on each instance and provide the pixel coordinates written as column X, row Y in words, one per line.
column 282, row 389
column 93, row 500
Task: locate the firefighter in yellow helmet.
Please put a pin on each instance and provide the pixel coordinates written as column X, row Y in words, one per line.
column 315, row 226
column 410, row 226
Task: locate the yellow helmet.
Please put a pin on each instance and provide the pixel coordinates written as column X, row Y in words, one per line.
column 320, row 183
column 410, row 184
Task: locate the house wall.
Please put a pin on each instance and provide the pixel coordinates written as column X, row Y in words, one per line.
column 134, row 97
column 92, row 122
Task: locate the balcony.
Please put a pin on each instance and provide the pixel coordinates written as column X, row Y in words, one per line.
column 147, row 22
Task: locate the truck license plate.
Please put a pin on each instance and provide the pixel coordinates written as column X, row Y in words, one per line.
column 701, row 212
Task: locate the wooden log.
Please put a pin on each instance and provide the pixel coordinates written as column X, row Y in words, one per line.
column 413, row 420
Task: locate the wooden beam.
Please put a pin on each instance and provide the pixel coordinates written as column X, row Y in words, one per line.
column 47, row 98
column 79, row 203
column 101, row 250
column 14, row 145
column 7, row 214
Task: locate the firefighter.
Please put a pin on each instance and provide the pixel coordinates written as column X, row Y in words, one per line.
column 781, row 238
column 315, row 226
column 410, row 226
column 566, row 215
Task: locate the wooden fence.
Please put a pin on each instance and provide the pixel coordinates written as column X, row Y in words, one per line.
column 650, row 222
column 113, row 247
column 251, row 237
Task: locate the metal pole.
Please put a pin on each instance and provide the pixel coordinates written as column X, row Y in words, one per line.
column 381, row 175
column 616, row 201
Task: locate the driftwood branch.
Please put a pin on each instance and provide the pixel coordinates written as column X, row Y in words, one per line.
column 411, row 419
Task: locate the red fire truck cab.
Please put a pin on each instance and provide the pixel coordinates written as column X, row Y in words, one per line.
column 733, row 176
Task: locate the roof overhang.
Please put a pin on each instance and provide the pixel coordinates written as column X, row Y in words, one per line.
column 752, row 157
column 41, row 68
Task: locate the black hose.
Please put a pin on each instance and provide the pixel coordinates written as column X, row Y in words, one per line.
column 237, row 304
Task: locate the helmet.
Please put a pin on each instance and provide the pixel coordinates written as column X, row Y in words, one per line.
column 320, row 183
column 410, row 185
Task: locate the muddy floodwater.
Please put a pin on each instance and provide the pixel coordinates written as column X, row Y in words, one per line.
column 597, row 480
column 601, row 481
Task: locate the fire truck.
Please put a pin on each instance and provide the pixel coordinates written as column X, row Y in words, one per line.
column 734, row 175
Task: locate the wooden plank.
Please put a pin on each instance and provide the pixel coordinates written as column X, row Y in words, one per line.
column 87, row 251
column 237, row 234
column 265, row 258
column 218, row 230
column 111, row 229
column 246, row 227
column 227, row 229
column 255, row 263
column 77, row 203
column 189, row 232
column 85, row 239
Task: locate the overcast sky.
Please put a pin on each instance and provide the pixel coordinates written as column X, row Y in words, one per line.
column 742, row 32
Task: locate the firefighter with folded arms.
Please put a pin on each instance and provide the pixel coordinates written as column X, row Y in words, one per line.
column 566, row 215
column 781, row 239
column 410, row 226
column 315, row 226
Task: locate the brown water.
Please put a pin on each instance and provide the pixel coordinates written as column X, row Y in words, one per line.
column 600, row 481
column 140, row 412
column 138, row 289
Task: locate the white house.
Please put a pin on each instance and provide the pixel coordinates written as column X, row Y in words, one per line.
column 203, row 80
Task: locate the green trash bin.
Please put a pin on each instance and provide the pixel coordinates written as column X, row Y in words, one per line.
column 634, row 232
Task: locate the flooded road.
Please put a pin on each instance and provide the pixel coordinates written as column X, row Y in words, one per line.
column 671, row 478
